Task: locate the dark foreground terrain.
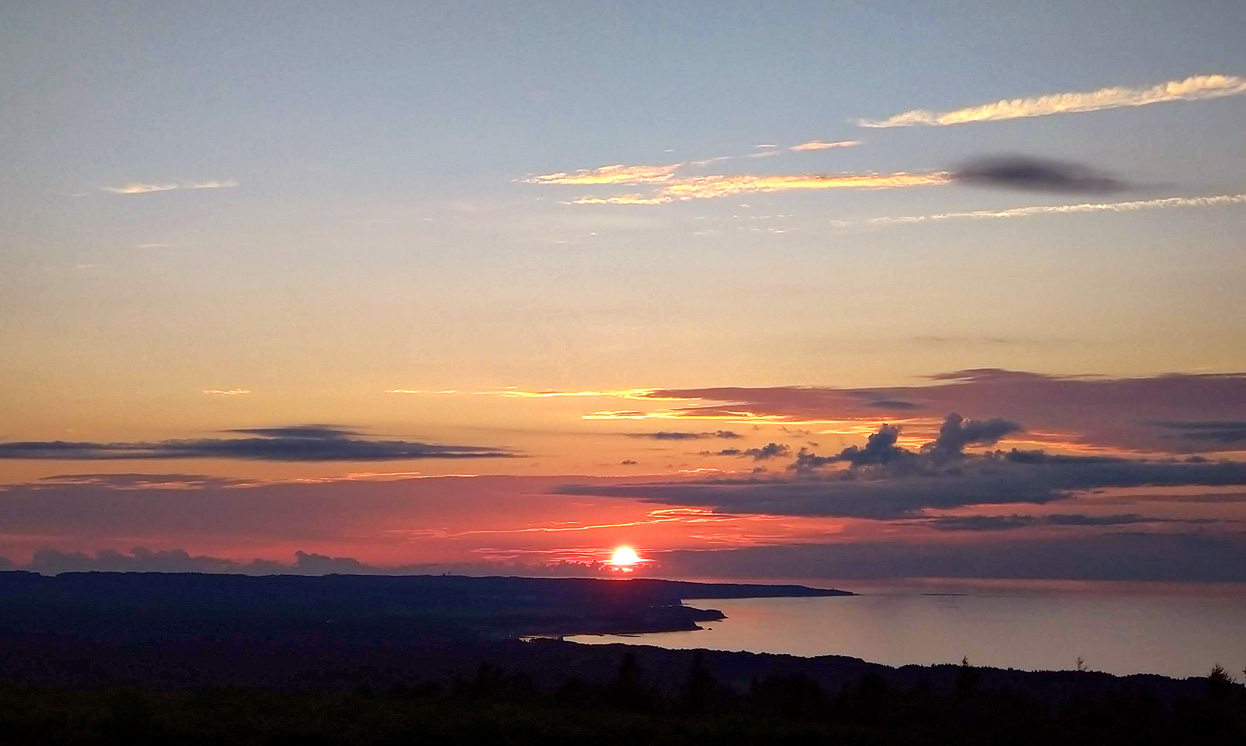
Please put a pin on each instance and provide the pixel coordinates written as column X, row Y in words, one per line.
column 631, row 703
column 134, row 659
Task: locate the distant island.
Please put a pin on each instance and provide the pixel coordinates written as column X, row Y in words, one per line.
column 442, row 605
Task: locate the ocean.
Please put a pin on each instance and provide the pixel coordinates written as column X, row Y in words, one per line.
column 1119, row 628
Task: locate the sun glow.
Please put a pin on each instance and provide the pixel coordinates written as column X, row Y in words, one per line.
column 624, row 557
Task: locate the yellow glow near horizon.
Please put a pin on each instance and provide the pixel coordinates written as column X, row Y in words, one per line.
column 624, row 557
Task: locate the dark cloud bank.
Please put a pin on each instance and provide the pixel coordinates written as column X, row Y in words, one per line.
column 1175, row 413
column 764, row 453
column 885, row 481
column 675, row 435
column 1176, row 557
column 50, row 561
column 1008, row 522
column 141, row 559
column 880, row 480
column 1037, row 174
column 1225, row 432
column 91, row 510
column 295, row 443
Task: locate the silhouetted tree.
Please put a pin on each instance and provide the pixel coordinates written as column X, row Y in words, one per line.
column 966, row 679
column 1220, row 685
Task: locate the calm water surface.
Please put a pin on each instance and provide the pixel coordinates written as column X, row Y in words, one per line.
column 1121, row 629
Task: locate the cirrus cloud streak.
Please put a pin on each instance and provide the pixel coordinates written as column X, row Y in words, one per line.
column 1218, row 200
column 712, row 187
column 147, row 188
column 1194, row 88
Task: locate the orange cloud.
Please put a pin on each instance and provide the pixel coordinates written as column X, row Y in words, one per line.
column 616, row 174
column 621, row 174
column 1191, row 89
column 708, row 187
column 513, row 393
column 711, row 187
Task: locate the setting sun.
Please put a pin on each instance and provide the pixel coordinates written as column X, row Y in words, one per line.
column 624, row 557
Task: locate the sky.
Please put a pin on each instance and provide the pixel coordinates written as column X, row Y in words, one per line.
column 786, row 290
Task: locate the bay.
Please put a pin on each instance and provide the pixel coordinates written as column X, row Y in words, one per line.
column 1175, row 630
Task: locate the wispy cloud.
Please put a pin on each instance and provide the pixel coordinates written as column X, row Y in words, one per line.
column 1216, row 431
column 717, row 159
column 1194, row 88
column 683, row 435
column 622, row 199
column 707, row 187
column 616, row 174
column 622, row 175
column 226, row 392
column 295, row 443
column 711, row 187
column 211, row 184
column 1060, row 520
column 514, row 393
column 819, row 145
column 1025, row 212
column 147, row 188
column 140, row 188
column 517, row 394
